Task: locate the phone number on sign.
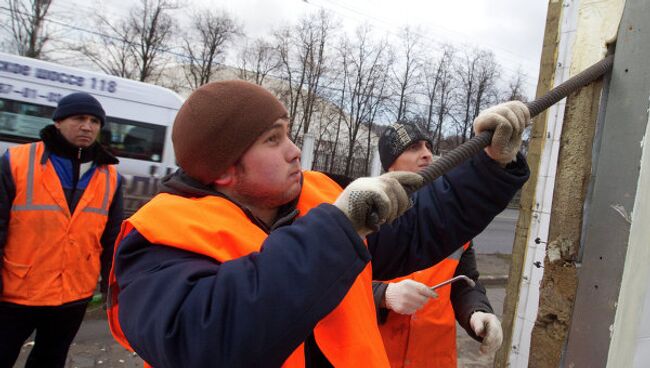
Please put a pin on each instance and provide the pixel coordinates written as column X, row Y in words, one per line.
column 25, row 92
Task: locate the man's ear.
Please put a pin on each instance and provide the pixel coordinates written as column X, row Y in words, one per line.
column 227, row 178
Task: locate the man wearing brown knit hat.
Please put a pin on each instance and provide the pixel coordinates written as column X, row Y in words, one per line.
column 244, row 260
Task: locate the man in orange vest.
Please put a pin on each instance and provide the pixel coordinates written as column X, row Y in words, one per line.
column 244, row 260
column 60, row 212
column 418, row 331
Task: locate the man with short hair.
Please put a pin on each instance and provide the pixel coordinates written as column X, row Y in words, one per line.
column 417, row 330
column 244, row 260
column 60, row 212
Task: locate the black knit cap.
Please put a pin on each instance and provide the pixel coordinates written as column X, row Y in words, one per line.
column 397, row 138
column 79, row 103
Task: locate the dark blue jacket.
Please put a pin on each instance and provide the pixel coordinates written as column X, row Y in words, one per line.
column 180, row 309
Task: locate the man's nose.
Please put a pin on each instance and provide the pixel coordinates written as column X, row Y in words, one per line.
column 87, row 123
column 294, row 152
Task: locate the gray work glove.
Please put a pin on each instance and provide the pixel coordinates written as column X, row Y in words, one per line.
column 487, row 326
column 508, row 121
column 407, row 296
column 383, row 195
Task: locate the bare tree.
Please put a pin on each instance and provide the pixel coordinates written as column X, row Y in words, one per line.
column 294, row 79
column 342, row 78
column 466, row 72
column 368, row 63
column 26, row 26
column 211, row 31
column 515, row 88
column 324, row 147
column 486, row 91
column 405, row 71
column 315, row 33
column 153, row 28
column 437, row 88
column 112, row 50
column 302, row 54
column 135, row 46
column 477, row 74
column 257, row 61
column 378, row 101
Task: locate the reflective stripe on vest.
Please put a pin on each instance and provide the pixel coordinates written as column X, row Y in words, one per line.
column 29, row 200
column 348, row 336
column 426, row 338
column 52, row 256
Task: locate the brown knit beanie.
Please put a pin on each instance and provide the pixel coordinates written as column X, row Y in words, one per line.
column 217, row 124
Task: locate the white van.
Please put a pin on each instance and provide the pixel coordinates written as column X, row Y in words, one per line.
column 138, row 116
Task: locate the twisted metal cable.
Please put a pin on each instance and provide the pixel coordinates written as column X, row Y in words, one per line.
column 473, row 146
column 466, row 150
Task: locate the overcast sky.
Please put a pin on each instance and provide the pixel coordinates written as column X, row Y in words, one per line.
column 512, row 29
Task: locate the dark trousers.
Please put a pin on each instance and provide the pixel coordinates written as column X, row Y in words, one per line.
column 55, row 328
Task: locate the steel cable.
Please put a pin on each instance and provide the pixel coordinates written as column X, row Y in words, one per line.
column 474, row 145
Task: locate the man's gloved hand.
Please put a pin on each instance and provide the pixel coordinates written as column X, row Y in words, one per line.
column 383, row 194
column 407, row 296
column 508, row 121
column 487, row 326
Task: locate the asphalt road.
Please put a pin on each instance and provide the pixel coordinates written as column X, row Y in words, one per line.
column 499, row 235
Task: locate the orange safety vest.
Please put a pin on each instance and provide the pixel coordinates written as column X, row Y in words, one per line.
column 348, row 336
column 52, row 256
column 426, row 338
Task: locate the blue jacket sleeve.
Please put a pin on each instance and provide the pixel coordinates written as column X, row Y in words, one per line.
column 180, row 309
column 7, row 195
column 111, row 230
column 445, row 214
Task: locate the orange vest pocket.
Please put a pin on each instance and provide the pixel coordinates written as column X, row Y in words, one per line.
column 13, row 278
column 18, row 269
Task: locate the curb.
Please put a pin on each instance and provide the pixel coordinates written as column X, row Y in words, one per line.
column 493, row 280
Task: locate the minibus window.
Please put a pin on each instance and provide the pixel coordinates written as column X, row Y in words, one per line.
column 21, row 122
column 127, row 138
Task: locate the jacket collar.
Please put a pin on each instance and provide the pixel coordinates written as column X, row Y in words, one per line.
column 57, row 144
column 179, row 183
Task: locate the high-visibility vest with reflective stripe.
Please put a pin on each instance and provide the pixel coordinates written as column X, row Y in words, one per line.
column 426, row 338
column 348, row 336
column 52, row 256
